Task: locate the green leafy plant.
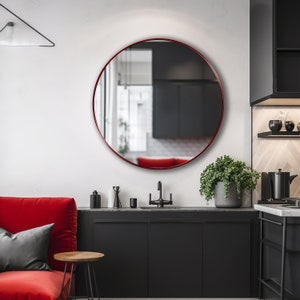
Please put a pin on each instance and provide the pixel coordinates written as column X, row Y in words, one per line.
column 227, row 170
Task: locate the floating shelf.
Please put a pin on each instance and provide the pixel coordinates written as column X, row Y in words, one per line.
column 279, row 134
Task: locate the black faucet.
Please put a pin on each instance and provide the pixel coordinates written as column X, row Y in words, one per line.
column 160, row 202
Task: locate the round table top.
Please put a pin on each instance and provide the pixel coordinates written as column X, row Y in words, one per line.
column 78, row 256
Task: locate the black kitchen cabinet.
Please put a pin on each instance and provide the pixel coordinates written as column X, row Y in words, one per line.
column 287, row 29
column 227, row 244
column 126, row 246
column 171, row 253
column 280, row 257
column 274, row 49
column 175, row 259
column 123, row 270
column 261, row 50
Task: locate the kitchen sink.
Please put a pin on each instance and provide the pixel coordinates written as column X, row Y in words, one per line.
column 164, row 208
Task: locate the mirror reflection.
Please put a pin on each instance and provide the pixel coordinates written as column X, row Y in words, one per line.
column 158, row 104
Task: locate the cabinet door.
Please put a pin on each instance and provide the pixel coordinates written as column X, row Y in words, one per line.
column 175, row 260
column 227, row 259
column 123, row 270
column 272, row 236
column 261, row 49
column 287, row 15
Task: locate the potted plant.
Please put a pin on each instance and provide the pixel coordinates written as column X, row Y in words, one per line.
column 225, row 179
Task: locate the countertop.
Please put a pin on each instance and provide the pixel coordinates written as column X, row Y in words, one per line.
column 169, row 209
column 280, row 210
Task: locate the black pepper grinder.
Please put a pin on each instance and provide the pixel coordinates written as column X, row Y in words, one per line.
column 95, row 200
column 117, row 202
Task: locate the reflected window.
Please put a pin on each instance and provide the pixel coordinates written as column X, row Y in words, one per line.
column 134, row 103
column 125, row 97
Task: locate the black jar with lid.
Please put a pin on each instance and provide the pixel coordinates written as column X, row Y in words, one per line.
column 95, row 200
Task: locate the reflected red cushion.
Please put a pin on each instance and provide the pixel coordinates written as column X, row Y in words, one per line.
column 155, row 163
column 179, row 161
column 18, row 214
column 32, row 285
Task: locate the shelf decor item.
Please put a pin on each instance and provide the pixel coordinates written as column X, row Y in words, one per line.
column 289, row 125
column 117, row 202
column 225, row 179
column 275, row 125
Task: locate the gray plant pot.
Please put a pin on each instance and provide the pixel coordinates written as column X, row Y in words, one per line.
column 233, row 201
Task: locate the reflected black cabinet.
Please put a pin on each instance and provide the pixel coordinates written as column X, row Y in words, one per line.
column 186, row 110
column 187, row 99
column 274, row 49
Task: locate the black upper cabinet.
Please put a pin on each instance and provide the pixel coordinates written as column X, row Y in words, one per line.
column 261, row 49
column 287, row 15
column 275, row 49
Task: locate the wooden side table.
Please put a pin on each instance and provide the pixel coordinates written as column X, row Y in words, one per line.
column 75, row 257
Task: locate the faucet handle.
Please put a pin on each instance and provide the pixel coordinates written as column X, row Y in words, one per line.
column 149, row 198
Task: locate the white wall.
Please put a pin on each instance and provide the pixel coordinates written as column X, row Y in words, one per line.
column 49, row 144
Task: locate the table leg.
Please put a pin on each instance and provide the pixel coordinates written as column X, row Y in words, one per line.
column 63, row 282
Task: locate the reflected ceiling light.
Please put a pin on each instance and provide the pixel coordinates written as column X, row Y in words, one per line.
column 17, row 32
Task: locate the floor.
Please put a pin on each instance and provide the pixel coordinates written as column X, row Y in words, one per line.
column 181, row 298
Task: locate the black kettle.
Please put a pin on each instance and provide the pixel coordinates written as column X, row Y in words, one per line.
column 276, row 185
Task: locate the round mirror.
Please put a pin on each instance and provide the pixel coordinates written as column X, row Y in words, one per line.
column 158, row 104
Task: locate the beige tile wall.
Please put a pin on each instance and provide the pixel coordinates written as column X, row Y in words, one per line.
column 268, row 155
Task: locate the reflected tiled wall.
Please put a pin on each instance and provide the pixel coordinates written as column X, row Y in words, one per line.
column 269, row 155
column 176, row 147
column 185, row 148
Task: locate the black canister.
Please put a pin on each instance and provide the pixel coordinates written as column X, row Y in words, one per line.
column 95, row 200
column 133, row 202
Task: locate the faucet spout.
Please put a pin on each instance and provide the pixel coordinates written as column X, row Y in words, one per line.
column 160, row 202
column 159, row 188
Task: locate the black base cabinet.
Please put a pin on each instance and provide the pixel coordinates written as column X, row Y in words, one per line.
column 280, row 242
column 178, row 254
column 126, row 247
column 175, row 259
column 227, row 262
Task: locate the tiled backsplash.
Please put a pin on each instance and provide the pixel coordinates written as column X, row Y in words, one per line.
column 271, row 154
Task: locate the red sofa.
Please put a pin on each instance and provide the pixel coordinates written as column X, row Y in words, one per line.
column 21, row 219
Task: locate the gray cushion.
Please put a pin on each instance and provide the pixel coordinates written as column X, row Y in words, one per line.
column 25, row 250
